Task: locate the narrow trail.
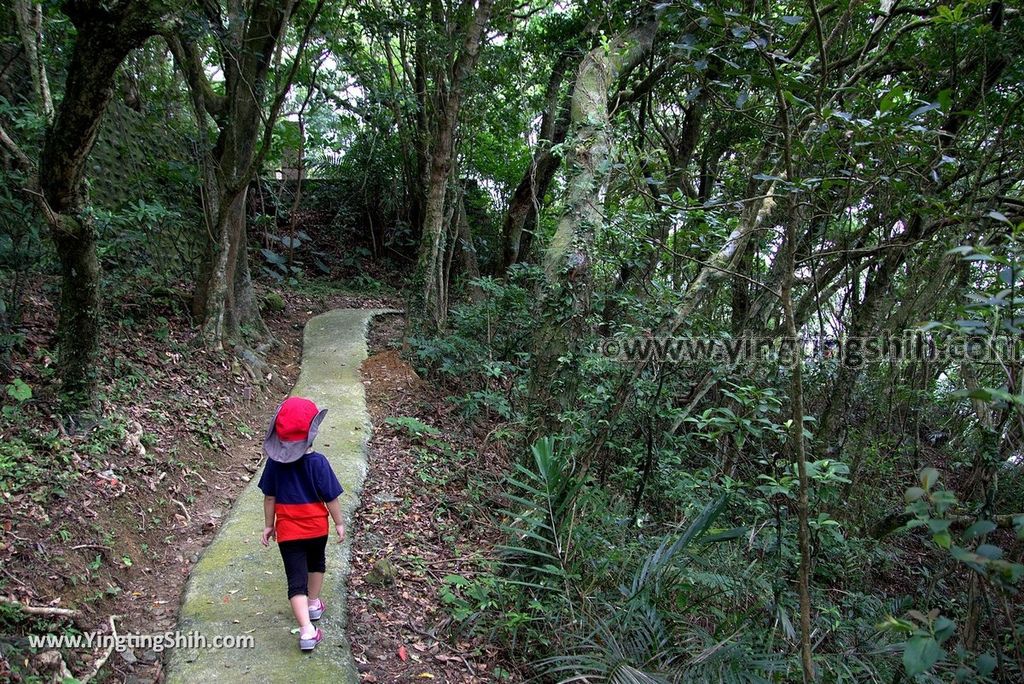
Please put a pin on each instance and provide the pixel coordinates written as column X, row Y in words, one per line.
column 238, row 586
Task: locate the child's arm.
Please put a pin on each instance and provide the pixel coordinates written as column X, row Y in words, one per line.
column 268, row 520
column 334, row 507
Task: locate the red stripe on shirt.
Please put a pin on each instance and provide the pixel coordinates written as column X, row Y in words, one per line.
column 300, row 521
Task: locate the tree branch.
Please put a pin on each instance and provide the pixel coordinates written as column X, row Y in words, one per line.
column 48, row 611
column 279, row 98
column 191, row 65
column 22, row 160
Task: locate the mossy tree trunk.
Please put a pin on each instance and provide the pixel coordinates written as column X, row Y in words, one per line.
column 105, row 35
column 244, row 115
column 445, row 104
column 567, row 263
column 224, row 298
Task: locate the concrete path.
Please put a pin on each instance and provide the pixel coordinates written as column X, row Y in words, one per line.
column 238, row 587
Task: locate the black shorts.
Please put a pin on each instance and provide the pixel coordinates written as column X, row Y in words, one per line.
column 301, row 557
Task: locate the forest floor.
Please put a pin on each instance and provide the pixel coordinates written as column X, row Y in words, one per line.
column 422, row 523
column 109, row 518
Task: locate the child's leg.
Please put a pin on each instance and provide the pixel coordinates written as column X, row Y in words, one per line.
column 316, row 582
column 316, row 564
column 294, row 555
column 300, row 609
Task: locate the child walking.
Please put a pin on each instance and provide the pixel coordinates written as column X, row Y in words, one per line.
column 300, row 490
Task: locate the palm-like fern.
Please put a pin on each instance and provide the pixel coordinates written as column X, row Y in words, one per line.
column 540, row 531
column 648, row 631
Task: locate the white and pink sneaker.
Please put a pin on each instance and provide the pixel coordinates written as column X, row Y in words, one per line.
column 316, row 610
column 308, row 644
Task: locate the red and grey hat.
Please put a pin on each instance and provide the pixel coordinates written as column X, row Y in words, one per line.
column 292, row 430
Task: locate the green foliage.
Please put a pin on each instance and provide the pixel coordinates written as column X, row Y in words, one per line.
column 468, row 598
column 548, row 494
column 931, row 509
column 148, row 240
column 636, row 619
column 39, row 464
column 758, row 407
column 655, row 536
column 484, row 361
column 364, row 191
column 414, row 427
column 287, row 264
column 21, row 253
column 19, row 391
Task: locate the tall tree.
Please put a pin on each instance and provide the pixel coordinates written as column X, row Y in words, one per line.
column 568, row 261
column 442, row 105
column 528, row 197
column 245, row 38
column 105, row 33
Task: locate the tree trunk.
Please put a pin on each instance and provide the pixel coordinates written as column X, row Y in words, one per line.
column 796, row 399
column 102, row 42
column 568, row 259
column 799, row 456
column 528, row 196
column 527, row 200
column 470, row 265
column 448, row 102
column 224, row 297
column 432, row 242
column 78, row 323
column 220, row 323
column 418, row 183
column 246, row 304
column 29, row 17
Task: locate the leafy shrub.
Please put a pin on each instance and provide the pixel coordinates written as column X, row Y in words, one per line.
column 486, row 360
column 414, row 427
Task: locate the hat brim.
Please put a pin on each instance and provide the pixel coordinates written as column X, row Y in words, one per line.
column 287, row 452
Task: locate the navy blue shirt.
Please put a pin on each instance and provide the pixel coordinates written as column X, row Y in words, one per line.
column 300, row 489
